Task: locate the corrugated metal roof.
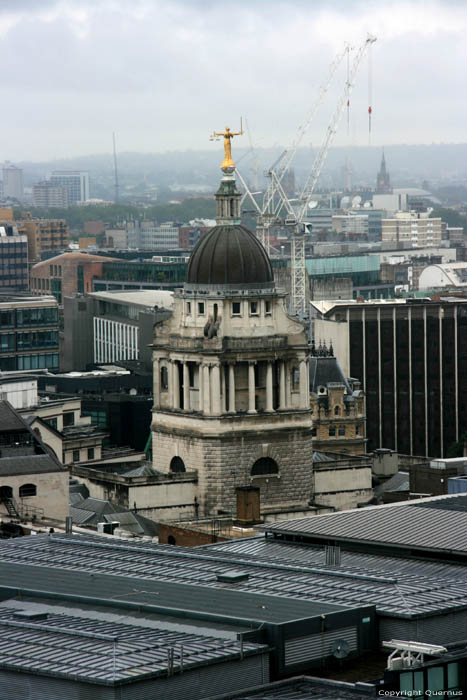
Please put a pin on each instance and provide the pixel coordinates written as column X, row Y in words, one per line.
column 301, row 688
column 408, row 587
column 407, row 525
column 104, row 652
column 224, row 601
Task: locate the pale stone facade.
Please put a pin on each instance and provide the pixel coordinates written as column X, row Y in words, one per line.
column 231, row 395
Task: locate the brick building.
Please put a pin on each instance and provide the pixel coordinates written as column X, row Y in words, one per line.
column 67, row 274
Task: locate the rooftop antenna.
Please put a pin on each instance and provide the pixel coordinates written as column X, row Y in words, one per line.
column 115, row 170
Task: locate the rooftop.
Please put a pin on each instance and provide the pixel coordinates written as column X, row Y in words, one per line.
column 96, row 651
column 407, row 587
column 144, row 297
column 435, row 525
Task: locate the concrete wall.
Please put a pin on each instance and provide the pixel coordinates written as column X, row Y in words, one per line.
column 342, row 487
column 52, row 492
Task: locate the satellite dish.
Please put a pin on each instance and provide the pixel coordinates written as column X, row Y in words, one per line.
column 356, row 201
column 340, row 649
column 367, row 204
column 345, row 201
column 312, row 204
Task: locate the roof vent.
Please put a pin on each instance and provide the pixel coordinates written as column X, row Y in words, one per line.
column 30, row 615
column 232, row 576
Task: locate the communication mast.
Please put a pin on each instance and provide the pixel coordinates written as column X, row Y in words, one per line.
column 117, row 193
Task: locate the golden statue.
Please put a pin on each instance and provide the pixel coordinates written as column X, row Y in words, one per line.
column 228, row 136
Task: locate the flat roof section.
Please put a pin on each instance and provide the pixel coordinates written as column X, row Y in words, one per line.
column 402, row 587
column 101, row 652
column 436, row 525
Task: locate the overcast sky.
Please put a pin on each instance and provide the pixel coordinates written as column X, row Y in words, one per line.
column 163, row 74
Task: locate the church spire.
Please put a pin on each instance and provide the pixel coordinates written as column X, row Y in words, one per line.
column 383, row 181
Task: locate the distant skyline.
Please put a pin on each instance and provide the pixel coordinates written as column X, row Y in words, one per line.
column 164, row 74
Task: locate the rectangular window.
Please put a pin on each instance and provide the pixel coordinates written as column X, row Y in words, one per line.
column 267, row 308
column 236, row 308
column 75, row 455
column 90, row 452
column 253, row 308
column 332, row 431
column 201, row 308
column 188, row 308
column 68, row 419
column 341, row 430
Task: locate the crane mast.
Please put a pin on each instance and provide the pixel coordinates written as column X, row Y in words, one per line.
column 298, row 237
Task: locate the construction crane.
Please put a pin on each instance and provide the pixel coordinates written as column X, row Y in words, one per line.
column 274, row 198
column 297, row 221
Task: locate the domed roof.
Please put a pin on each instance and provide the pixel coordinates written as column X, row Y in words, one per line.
column 230, row 255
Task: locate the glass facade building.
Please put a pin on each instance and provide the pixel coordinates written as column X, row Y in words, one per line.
column 28, row 333
column 13, row 259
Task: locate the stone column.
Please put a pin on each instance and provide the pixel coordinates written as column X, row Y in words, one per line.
column 288, row 382
column 304, row 385
column 223, row 390
column 175, row 385
column 215, row 390
column 206, row 390
column 200, row 387
column 186, row 387
column 231, row 388
column 282, row 403
column 269, row 403
column 251, row 388
column 156, row 383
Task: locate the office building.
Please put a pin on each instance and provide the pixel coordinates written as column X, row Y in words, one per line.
column 411, row 357
column 67, row 274
column 44, row 235
column 411, row 229
column 13, row 185
column 76, row 183
column 149, row 235
column 108, row 327
column 49, row 195
column 28, row 332
column 351, row 225
column 13, row 258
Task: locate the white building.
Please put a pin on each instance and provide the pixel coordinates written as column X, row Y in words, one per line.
column 75, row 182
column 445, row 275
column 13, row 184
column 120, row 320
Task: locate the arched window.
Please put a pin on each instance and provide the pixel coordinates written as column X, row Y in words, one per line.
column 27, row 490
column 5, row 492
column 164, row 378
column 177, row 465
column 264, row 465
column 171, row 539
column 337, row 411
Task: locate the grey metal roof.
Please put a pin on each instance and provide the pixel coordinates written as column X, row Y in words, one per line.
column 405, row 525
column 398, row 587
column 301, row 688
column 29, row 464
column 398, row 482
column 108, row 653
column 76, row 497
column 326, row 370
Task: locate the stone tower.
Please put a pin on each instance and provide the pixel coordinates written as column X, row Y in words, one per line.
column 383, row 181
column 231, row 389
